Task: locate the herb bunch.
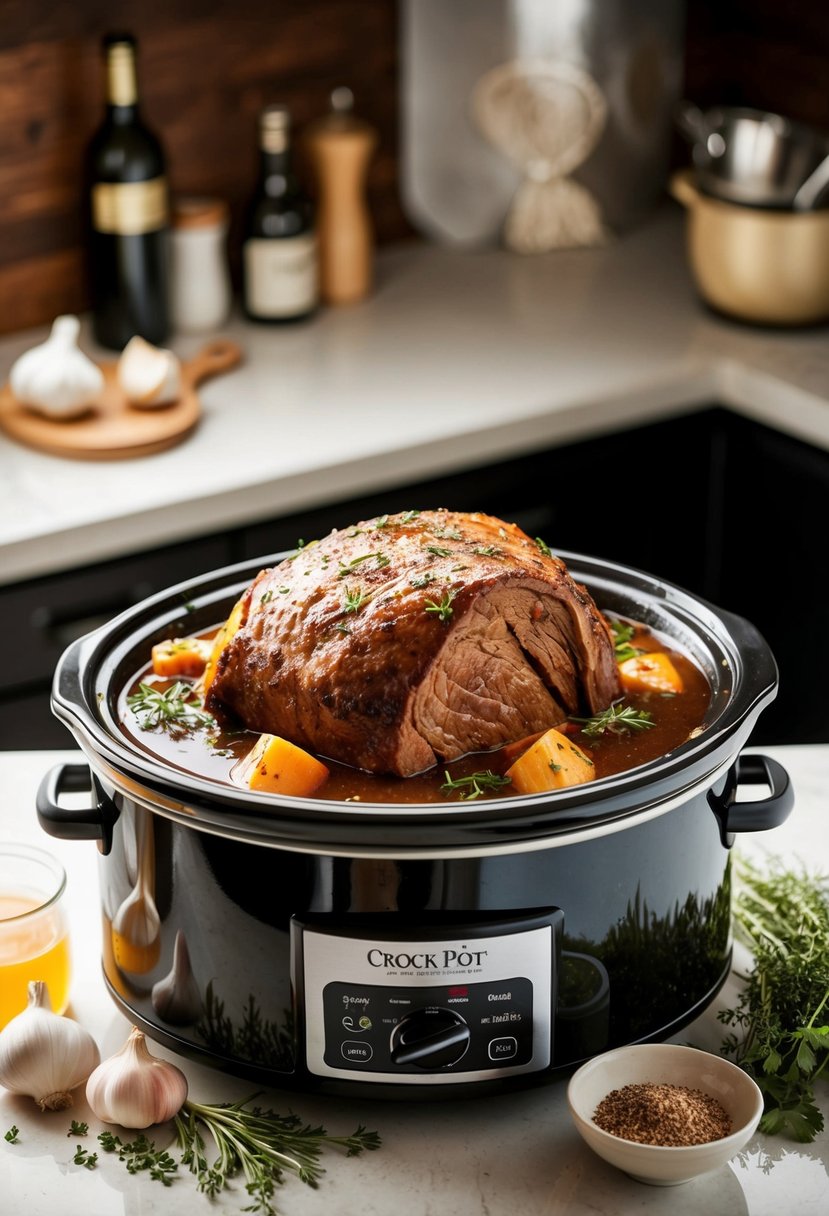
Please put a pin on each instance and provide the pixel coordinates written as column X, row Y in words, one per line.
column 780, row 1032
column 176, row 709
column 617, row 719
column 261, row 1145
column 475, row 784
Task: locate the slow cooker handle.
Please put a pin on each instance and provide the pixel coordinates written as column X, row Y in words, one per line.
column 93, row 822
column 760, row 814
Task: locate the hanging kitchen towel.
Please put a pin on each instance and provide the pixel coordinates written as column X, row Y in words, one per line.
column 546, row 117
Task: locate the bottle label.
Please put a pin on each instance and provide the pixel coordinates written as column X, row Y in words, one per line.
column 280, row 275
column 130, row 208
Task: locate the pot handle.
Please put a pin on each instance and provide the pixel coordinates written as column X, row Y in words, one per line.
column 761, row 813
column 93, row 822
column 681, row 185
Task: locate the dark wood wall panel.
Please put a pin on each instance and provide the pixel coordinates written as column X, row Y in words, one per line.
column 207, row 67
column 205, row 71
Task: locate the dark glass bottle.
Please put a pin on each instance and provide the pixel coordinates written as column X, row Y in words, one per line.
column 129, row 240
column 279, row 249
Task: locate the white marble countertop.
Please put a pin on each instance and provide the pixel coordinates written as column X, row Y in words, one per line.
column 458, row 359
column 502, row 1155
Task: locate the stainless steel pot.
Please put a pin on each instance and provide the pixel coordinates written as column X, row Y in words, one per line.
column 415, row 949
column 751, row 156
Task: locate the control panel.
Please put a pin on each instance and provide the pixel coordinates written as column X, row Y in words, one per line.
column 456, row 1003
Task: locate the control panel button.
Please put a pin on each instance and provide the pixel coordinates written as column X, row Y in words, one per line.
column 503, row 1049
column 356, row 1052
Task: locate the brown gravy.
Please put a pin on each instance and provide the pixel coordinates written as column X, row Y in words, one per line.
column 213, row 751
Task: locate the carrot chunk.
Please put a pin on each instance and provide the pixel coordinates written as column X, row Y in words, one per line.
column 652, row 671
column 231, row 626
column 181, row 657
column 276, row 766
column 552, row 762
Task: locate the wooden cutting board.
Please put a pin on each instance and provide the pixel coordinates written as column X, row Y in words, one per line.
column 112, row 429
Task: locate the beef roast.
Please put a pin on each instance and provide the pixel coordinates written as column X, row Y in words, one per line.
column 415, row 638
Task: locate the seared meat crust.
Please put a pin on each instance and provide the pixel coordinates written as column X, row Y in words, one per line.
column 415, row 638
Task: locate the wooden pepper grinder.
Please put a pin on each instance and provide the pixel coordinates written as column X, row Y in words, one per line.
column 340, row 147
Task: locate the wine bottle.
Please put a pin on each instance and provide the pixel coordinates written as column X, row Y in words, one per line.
column 279, row 251
column 129, row 241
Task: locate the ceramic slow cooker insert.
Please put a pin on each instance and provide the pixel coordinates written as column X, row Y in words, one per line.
column 415, row 950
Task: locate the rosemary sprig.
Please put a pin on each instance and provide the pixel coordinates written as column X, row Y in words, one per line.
column 347, row 567
column 444, row 609
column 618, row 719
column 475, row 784
column 438, row 551
column 173, row 708
column 260, row 1144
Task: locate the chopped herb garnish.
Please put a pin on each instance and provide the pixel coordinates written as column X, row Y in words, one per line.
column 408, row 516
column 474, row 785
column 284, row 590
column 85, row 1158
column 343, row 628
column 346, row 567
column 438, row 551
column 617, row 718
column 487, row 551
column 444, row 609
column 448, row 534
column 622, row 633
column 423, row 580
column 381, row 522
column 141, row 1154
column 77, row 1129
column 456, row 569
column 266, row 597
column 354, row 599
column 555, row 767
column 543, row 547
column 11, row 1136
column 173, row 708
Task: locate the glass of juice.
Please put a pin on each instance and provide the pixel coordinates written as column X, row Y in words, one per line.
column 34, row 937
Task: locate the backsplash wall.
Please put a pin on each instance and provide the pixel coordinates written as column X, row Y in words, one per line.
column 208, row 66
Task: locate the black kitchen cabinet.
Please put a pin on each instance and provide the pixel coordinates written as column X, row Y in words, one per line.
column 729, row 509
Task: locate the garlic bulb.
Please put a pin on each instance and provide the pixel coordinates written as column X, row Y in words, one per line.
column 176, row 998
column 134, row 1088
column 56, row 378
column 45, row 1055
column 148, row 375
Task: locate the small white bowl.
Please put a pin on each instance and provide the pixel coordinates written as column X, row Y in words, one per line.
column 665, row 1064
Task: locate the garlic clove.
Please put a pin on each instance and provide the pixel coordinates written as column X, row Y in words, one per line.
column 45, row 1055
column 134, row 1088
column 56, row 378
column 176, row 998
column 149, row 376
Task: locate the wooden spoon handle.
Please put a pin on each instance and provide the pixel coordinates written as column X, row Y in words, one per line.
column 217, row 356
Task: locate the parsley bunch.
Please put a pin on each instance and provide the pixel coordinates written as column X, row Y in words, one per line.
column 781, row 1021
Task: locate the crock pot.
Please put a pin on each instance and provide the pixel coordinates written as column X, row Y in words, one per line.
column 414, row 950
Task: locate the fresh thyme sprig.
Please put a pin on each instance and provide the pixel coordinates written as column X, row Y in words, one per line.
column 139, row 1155
column 260, row 1144
column 475, row 784
column 618, row 719
column 444, row 609
column 175, row 707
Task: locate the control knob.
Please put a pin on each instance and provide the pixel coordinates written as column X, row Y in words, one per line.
column 430, row 1038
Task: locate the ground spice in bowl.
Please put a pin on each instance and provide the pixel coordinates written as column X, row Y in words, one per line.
column 668, row 1115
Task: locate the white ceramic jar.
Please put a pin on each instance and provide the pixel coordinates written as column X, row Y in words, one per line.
column 200, row 288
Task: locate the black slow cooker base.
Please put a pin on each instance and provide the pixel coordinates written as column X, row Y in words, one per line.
column 306, row 1082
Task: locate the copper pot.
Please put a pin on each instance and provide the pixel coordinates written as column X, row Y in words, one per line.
column 766, row 266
